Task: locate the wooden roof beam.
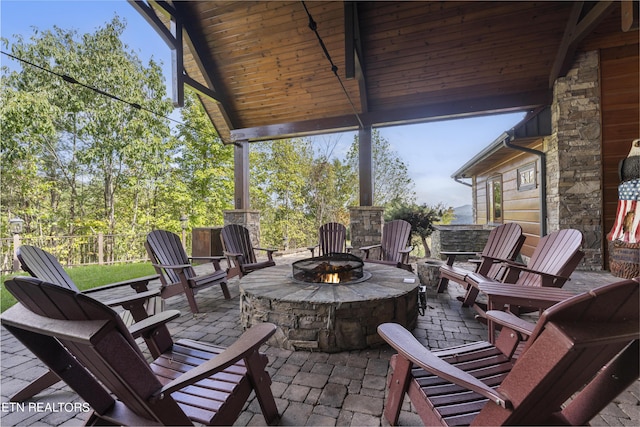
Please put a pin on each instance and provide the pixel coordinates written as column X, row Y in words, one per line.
column 579, row 26
column 353, row 51
column 174, row 39
column 629, row 15
column 418, row 114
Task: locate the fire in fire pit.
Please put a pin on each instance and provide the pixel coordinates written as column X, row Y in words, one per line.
column 336, row 268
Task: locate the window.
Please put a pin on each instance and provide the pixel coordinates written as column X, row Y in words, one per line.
column 527, row 177
column 494, row 200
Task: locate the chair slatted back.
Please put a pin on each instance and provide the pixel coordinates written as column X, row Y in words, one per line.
column 575, row 342
column 96, row 337
column 557, row 253
column 504, row 242
column 41, row 264
column 165, row 247
column 236, row 239
column 395, row 237
column 332, row 238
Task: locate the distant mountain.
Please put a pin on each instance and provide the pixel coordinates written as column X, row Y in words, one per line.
column 463, row 215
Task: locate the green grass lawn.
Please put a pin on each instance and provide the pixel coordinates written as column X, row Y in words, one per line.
column 87, row 277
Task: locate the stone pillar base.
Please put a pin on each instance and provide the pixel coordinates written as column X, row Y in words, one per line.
column 247, row 218
column 366, row 227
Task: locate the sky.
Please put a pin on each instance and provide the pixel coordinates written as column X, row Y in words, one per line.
column 432, row 151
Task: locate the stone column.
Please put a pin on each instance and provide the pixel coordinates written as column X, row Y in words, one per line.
column 247, row 218
column 574, row 160
column 366, row 227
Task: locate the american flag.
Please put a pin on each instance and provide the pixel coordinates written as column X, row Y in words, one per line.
column 627, row 225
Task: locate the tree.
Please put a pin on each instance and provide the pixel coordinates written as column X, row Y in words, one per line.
column 280, row 172
column 205, row 166
column 422, row 219
column 391, row 180
column 87, row 148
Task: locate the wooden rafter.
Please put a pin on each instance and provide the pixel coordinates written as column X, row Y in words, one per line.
column 579, row 25
column 353, row 52
column 174, row 37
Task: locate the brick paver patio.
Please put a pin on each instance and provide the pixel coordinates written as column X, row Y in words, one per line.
column 311, row 388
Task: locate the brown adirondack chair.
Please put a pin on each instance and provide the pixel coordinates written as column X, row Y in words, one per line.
column 580, row 355
column 240, row 252
column 394, row 248
column 88, row 346
column 332, row 238
column 177, row 275
column 43, row 265
column 556, row 256
column 503, row 244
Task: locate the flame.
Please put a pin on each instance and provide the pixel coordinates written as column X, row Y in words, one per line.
column 331, row 278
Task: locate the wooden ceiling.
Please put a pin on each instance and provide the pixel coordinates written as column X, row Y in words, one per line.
column 262, row 72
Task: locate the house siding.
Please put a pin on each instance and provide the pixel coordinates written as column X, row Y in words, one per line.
column 522, row 207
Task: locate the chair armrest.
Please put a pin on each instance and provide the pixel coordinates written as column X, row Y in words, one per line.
column 173, row 267
column 138, row 283
column 408, row 347
column 368, row 248
column 511, row 321
column 147, row 326
column 500, row 294
column 232, row 254
column 206, row 258
column 249, row 342
column 265, row 249
column 139, row 298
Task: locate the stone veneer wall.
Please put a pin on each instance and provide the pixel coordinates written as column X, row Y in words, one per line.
column 574, row 163
column 365, row 227
column 247, row 218
column 458, row 238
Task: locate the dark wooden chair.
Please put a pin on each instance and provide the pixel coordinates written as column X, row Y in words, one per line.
column 394, row 247
column 177, row 275
column 580, row 355
column 137, row 307
column 332, row 238
column 503, row 244
column 240, row 252
column 88, row 346
column 556, row 256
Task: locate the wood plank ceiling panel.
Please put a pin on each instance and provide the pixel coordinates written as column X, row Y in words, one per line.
column 265, row 52
column 446, row 50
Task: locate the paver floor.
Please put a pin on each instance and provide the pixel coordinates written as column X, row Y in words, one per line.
column 311, row 388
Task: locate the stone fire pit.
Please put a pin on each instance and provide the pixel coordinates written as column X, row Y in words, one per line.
column 328, row 317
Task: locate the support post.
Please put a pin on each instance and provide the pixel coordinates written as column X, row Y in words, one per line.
column 365, row 166
column 241, row 174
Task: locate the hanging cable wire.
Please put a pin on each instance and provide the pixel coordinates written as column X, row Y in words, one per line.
column 314, row 27
column 72, row 80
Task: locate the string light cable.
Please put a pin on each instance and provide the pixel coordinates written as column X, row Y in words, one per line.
column 314, row 27
column 74, row 81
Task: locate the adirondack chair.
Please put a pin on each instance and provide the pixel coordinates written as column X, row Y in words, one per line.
column 332, row 238
column 88, row 346
column 177, row 275
column 240, row 252
column 503, row 244
column 393, row 249
column 43, row 265
column 580, row 355
column 556, row 256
